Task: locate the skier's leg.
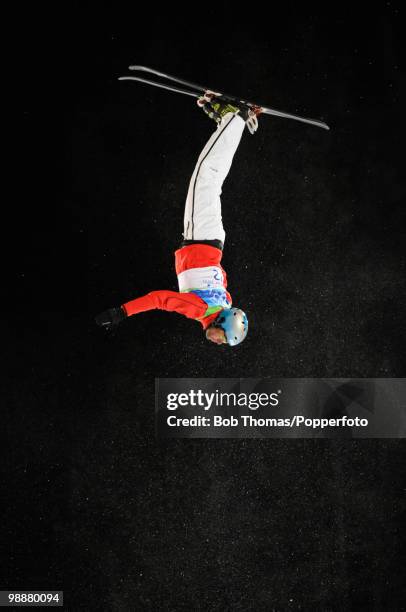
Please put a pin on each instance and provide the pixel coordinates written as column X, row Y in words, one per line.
column 202, row 220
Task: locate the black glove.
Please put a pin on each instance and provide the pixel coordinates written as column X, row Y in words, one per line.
column 111, row 318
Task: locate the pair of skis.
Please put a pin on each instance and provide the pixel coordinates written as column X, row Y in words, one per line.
column 196, row 91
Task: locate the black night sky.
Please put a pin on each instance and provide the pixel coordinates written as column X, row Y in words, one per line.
column 314, row 253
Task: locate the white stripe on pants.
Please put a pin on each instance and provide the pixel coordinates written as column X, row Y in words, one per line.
column 202, row 220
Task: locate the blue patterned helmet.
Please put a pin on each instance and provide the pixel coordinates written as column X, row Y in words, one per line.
column 234, row 322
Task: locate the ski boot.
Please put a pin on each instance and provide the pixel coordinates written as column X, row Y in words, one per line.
column 216, row 109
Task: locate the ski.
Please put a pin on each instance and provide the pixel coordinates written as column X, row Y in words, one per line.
column 168, row 87
column 195, row 90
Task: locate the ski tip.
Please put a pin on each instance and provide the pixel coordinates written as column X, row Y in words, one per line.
column 137, row 68
column 321, row 124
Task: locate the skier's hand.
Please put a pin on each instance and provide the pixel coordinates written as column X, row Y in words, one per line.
column 110, row 319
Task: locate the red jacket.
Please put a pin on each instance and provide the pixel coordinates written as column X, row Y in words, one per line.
column 201, row 256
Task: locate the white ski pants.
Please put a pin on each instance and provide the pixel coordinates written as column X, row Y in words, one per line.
column 202, row 220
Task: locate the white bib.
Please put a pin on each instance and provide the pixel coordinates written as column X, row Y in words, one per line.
column 201, row 278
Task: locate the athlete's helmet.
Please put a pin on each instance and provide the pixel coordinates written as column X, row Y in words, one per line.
column 234, row 322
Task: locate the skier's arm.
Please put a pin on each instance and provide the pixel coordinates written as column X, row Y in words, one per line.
column 186, row 304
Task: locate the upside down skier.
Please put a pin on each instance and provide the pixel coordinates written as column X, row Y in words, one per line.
column 203, row 294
